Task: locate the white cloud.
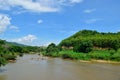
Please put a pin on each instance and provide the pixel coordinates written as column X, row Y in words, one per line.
column 76, row 1
column 4, row 22
column 40, row 21
column 25, row 40
column 89, row 21
column 89, row 10
column 37, row 5
column 14, row 28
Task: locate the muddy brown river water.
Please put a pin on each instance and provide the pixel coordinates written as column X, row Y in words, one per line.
column 29, row 67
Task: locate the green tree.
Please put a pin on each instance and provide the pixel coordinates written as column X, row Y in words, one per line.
column 2, row 49
column 52, row 48
column 84, row 46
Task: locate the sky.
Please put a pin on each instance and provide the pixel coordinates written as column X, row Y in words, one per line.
column 41, row 22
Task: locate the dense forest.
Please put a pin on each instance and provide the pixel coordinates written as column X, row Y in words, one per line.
column 87, row 45
column 10, row 51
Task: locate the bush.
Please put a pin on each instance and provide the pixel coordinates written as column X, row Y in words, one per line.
column 116, row 57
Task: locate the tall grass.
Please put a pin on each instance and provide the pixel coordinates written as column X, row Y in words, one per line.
column 69, row 54
column 100, row 54
column 96, row 54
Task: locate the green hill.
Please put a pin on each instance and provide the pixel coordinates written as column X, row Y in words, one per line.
column 97, row 39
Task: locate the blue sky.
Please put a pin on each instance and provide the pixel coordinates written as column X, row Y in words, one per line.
column 40, row 22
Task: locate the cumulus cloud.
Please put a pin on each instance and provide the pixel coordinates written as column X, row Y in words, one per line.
column 89, row 10
column 25, row 40
column 37, row 5
column 4, row 22
column 40, row 21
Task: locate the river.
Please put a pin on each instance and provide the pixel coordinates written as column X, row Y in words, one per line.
column 29, row 67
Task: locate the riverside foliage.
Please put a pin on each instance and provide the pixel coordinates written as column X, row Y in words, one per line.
column 87, row 45
column 9, row 51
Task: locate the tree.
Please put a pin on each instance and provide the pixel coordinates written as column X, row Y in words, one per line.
column 84, row 46
column 52, row 48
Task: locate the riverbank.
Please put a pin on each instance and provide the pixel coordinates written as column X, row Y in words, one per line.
column 103, row 56
column 100, row 61
column 90, row 61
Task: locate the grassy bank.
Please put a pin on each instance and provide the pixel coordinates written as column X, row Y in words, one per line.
column 108, row 55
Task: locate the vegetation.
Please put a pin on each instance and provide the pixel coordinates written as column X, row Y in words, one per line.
column 87, row 45
column 52, row 48
column 9, row 51
column 98, row 40
column 84, row 45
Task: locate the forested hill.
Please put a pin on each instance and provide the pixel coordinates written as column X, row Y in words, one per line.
column 14, row 43
column 97, row 39
column 6, row 46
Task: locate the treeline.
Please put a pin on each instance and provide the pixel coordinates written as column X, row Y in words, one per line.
column 10, row 51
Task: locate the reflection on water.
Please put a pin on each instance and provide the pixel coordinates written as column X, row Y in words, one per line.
column 30, row 67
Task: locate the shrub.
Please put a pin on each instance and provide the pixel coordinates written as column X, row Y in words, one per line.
column 116, row 57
